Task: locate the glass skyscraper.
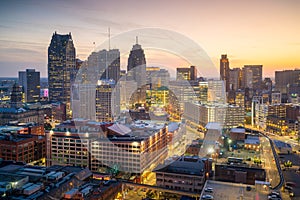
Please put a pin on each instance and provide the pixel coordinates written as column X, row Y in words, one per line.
column 61, row 69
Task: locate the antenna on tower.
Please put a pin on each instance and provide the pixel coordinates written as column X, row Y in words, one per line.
column 136, row 39
column 108, row 38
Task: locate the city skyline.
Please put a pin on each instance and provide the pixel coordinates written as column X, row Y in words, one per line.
column 253, row 33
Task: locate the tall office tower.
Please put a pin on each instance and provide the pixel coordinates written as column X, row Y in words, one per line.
column 267, row 85
column 105, row 64
column 16, row 96
column 61, row 69
column 216, row 91
column 275, row 98
column 240, row 98
column 203, row 92
column 189, row 74
column 288, row 81
column 235, row 79
column 224, row 71
column 136, row 68
column 106, row 101
column 157, row 77
column 252, row 77
column 30, row 81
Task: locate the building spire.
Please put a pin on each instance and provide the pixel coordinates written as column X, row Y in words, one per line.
column 108, row 38
column 136, row 40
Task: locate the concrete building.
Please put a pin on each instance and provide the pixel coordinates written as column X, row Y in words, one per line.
column 225, row 71
column 239, row 173
column 185, row 173
column 133, row 149
column 184, row 73
column 30, row 81
column 22, row 147
column 136, row 68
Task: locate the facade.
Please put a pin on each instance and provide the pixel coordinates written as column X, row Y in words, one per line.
column 216, row 91
column 105, row 64
column 252, row 78
column 69, row 142
column 185, row 173
column 30, row 81
column 189, row 74
column 229, row 116
column 136, row 68
column 157, row 77
column 286, row 80
column 22, row 148
column 235, row 79
column 61, row 69
column 106, row 101
column 131, row 149
column 203, row 92
column 225, row 71
column 239, row 174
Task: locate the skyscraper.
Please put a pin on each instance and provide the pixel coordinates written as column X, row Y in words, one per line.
column 105, row 64
column 106, row 101
column 16, row 96
column 252, row 77
column 189, row 74
column 224, row 71
column 61, row 69
column 30, row 81
column 136, row 68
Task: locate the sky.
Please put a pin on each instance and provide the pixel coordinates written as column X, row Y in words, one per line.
column 263, row 32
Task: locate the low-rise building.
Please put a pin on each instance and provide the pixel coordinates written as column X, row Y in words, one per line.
column 185, row 173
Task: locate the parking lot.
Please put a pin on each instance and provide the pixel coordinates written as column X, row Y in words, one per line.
column 230, row 191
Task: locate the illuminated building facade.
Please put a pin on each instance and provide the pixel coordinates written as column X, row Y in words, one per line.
column 30, row 81
column 61, row 69
column 131, row 149
column 225, row 71
column 189, row 74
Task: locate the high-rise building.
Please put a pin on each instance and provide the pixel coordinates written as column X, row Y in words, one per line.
column 105, row 64
column 224, row 71
column 203, row 92
column 16, row 97
column 235, row 79
column 252, row 77
column 189, row 74
column 216, row 91
column 61, row 69
column 106, row 101
column 288, row 80
column 30, row 81
column 136, row 68
column 157, row 77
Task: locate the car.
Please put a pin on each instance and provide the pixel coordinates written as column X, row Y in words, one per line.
column 209, row 190
column 207, row 197
column 248, row 188
column 291, row 193
column 289, row 188
column 292, row 184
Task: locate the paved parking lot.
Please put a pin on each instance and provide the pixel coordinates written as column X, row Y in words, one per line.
column 233, row 191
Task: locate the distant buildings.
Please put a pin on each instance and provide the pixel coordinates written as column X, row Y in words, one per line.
column 136, row 67
column 225, row 71
column 61, row 69
column 189, row 74
column 107, row 102
column 17, row 112
column 30, row 81
column 105, row 64
column 288, row 83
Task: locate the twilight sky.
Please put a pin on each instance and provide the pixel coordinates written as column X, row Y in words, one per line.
column 251, row 32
